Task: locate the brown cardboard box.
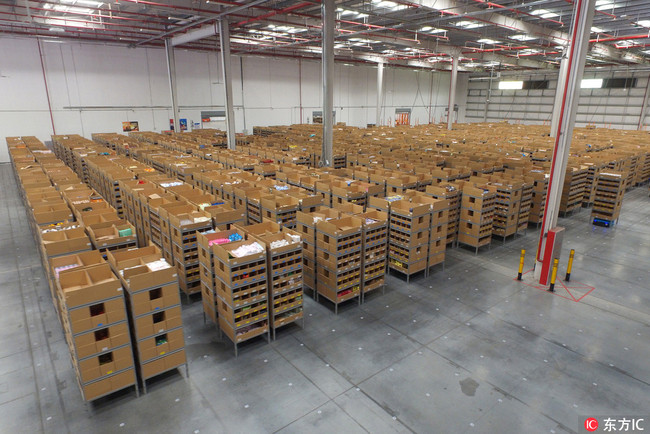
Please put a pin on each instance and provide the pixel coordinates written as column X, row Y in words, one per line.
column 164, row 364
column 113, row 383
column 105, row 364
column 97, row 315
column 159, row 345
column 75, row 262
column 131, row 266
column 107, row 234
column 98, row 341
column 58, row 243
column 158, row 322
column 52, row 213
column 89, row 285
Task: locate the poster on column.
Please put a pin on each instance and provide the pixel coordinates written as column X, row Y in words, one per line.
column 129, row 126
column 183, row 124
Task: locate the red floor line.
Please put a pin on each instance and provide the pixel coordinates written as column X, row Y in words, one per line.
column 567, row 290
column 586, row 294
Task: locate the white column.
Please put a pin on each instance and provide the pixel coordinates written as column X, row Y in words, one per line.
column 559, row 92
column 644, row 106
column 452, row 91
column 328, row 11
column 171, row 74
column 224, row 45
column 380, row 91
column 577, row 52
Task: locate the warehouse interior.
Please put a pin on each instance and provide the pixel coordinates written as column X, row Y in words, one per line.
column 357, row 216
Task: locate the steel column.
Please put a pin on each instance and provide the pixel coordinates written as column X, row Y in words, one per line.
column 171, row 74
column 380, row 91
column 579, row 46
column 328, row 13
column 644, row 107
column 486, row 107
column 557, row 104
column 452, row 91
column 224, row 45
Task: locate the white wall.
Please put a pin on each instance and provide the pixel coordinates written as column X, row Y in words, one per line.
column 614, row 108
column 94, row 87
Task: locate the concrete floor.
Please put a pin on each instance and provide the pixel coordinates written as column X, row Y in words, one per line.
column 465, row 350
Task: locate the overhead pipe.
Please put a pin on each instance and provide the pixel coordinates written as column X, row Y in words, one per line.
column 201, row 21
column 117, row 32
column 276, row 12
column 496, row 5
column 47, row 90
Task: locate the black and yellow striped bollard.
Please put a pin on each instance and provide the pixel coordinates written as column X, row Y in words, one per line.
column 553, row 276
column 570, row 265
column 521, row 264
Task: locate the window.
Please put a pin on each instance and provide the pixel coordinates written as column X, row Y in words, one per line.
column 527, row 85
column 511, row 85
column 535, row 84
column 619, row 83
column 591, row 83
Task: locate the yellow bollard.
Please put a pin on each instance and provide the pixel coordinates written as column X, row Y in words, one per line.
column 553, row 276
column 568, row 268
column 521, row 264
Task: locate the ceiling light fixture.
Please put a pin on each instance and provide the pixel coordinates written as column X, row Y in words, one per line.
column 545, row 13
column 488, row 41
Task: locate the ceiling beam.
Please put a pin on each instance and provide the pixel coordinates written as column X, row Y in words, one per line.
column 554, row 36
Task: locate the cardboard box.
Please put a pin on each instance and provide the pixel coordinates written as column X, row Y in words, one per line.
column 109, row 234
column 170, row 361
column 159, row 345
column 63, row 264
column 131, row 266
column 52, row 213
column 105, row 364
column 105, row 386
column 158, row 322
column 58, row 243
column 101, row 340
column 89, row 285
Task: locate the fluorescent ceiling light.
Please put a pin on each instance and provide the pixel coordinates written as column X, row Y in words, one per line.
column 591, row 83
column 89, row 3
column 345, row 12
column 597, row 30
column 488, row 41
column 71, row 9
column 363, row 40
column 624, row 44
column 245, row 41
column 432, row 30
column 56, row 29
column 469, row 24
column 606, row 4
column 388, row 5
column 545, row 13
column 522, row 37
column 511, row 85
column 643, row 23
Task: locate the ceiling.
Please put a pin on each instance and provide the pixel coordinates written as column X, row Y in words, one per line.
column 503, row 34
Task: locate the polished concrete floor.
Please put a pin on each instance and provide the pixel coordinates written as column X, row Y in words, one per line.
column 467, row 349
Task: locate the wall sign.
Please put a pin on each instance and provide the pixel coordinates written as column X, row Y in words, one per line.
column 129, row 126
